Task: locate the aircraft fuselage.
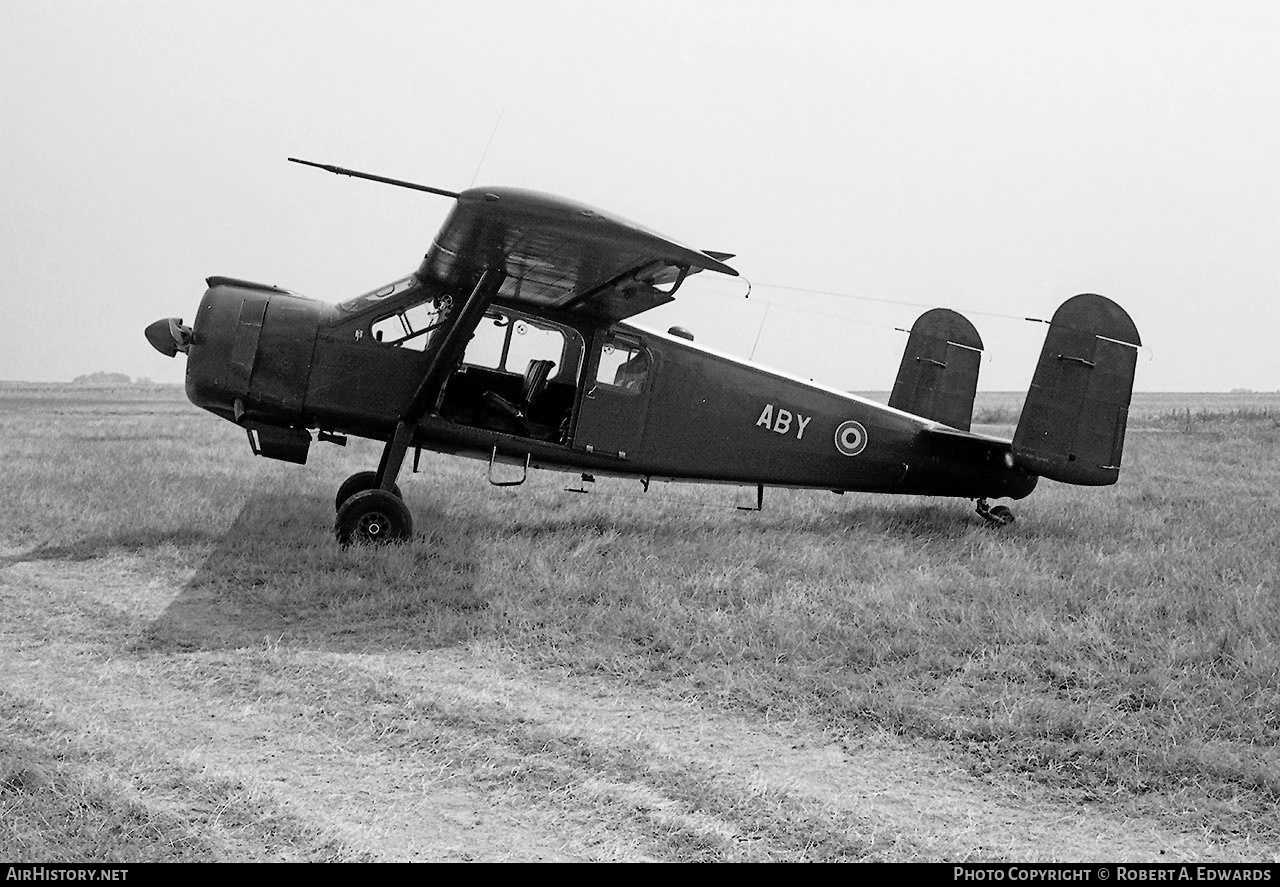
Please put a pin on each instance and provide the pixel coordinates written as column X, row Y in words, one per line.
column 280, row 364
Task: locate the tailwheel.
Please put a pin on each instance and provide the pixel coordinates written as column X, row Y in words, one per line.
column 373, row 516
column 358, row 483
column 1002, row 515
column 998, row 515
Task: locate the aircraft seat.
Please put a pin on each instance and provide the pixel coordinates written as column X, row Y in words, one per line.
column 535, row 382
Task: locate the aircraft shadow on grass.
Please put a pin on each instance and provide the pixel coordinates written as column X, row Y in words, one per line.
column 274, row 576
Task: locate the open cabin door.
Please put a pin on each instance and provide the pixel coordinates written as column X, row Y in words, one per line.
column 616, row 392
column 519, row 375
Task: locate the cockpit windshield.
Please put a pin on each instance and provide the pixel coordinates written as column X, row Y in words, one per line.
column 378, row 296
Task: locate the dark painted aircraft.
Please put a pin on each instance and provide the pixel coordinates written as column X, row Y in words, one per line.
column 508, row 344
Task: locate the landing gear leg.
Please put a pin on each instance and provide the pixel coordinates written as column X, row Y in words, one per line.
column 393, row 456
column 997, row 515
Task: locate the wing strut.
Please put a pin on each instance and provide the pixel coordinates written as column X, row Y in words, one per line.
column 437, row 373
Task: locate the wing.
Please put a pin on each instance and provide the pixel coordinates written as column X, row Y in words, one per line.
column 558, row 254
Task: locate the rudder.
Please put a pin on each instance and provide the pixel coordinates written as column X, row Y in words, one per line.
column 938, row 377
column 1073, row 422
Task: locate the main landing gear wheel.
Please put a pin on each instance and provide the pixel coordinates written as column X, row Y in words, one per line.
column 358, row 483
column 997, row 515
column 373, row 516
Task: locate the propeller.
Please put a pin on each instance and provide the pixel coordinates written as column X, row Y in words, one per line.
column 169, row 336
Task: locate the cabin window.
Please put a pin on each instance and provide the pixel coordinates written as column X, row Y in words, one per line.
column 507, row 342
column 488, row 342
column 529, row 342
column 624, row 363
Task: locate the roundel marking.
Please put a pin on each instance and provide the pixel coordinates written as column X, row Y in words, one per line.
column 851, row 438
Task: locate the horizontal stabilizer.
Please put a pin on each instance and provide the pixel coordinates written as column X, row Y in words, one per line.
column 938, row 377
column 1073, row 422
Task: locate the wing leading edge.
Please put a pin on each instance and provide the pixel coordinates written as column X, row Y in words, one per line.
column 559, row 254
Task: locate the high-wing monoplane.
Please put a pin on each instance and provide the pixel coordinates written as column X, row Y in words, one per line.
column 509, row 343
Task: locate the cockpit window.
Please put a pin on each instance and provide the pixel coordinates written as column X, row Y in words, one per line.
column 412, row 326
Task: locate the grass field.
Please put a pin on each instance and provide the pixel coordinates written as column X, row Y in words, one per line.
column 165, row 595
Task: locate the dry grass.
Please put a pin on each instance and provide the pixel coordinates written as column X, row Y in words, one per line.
column 1118, row 647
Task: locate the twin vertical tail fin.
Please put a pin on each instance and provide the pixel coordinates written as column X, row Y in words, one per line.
column 938, row 377
column 1073, row 422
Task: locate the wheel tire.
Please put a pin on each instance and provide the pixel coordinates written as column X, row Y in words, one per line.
column 1002, row 515
column 358, row 483
column 374, row 517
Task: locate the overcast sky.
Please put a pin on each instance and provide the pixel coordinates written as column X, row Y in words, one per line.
column 991, row 157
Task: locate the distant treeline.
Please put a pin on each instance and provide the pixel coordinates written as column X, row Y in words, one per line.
column 107, row 379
